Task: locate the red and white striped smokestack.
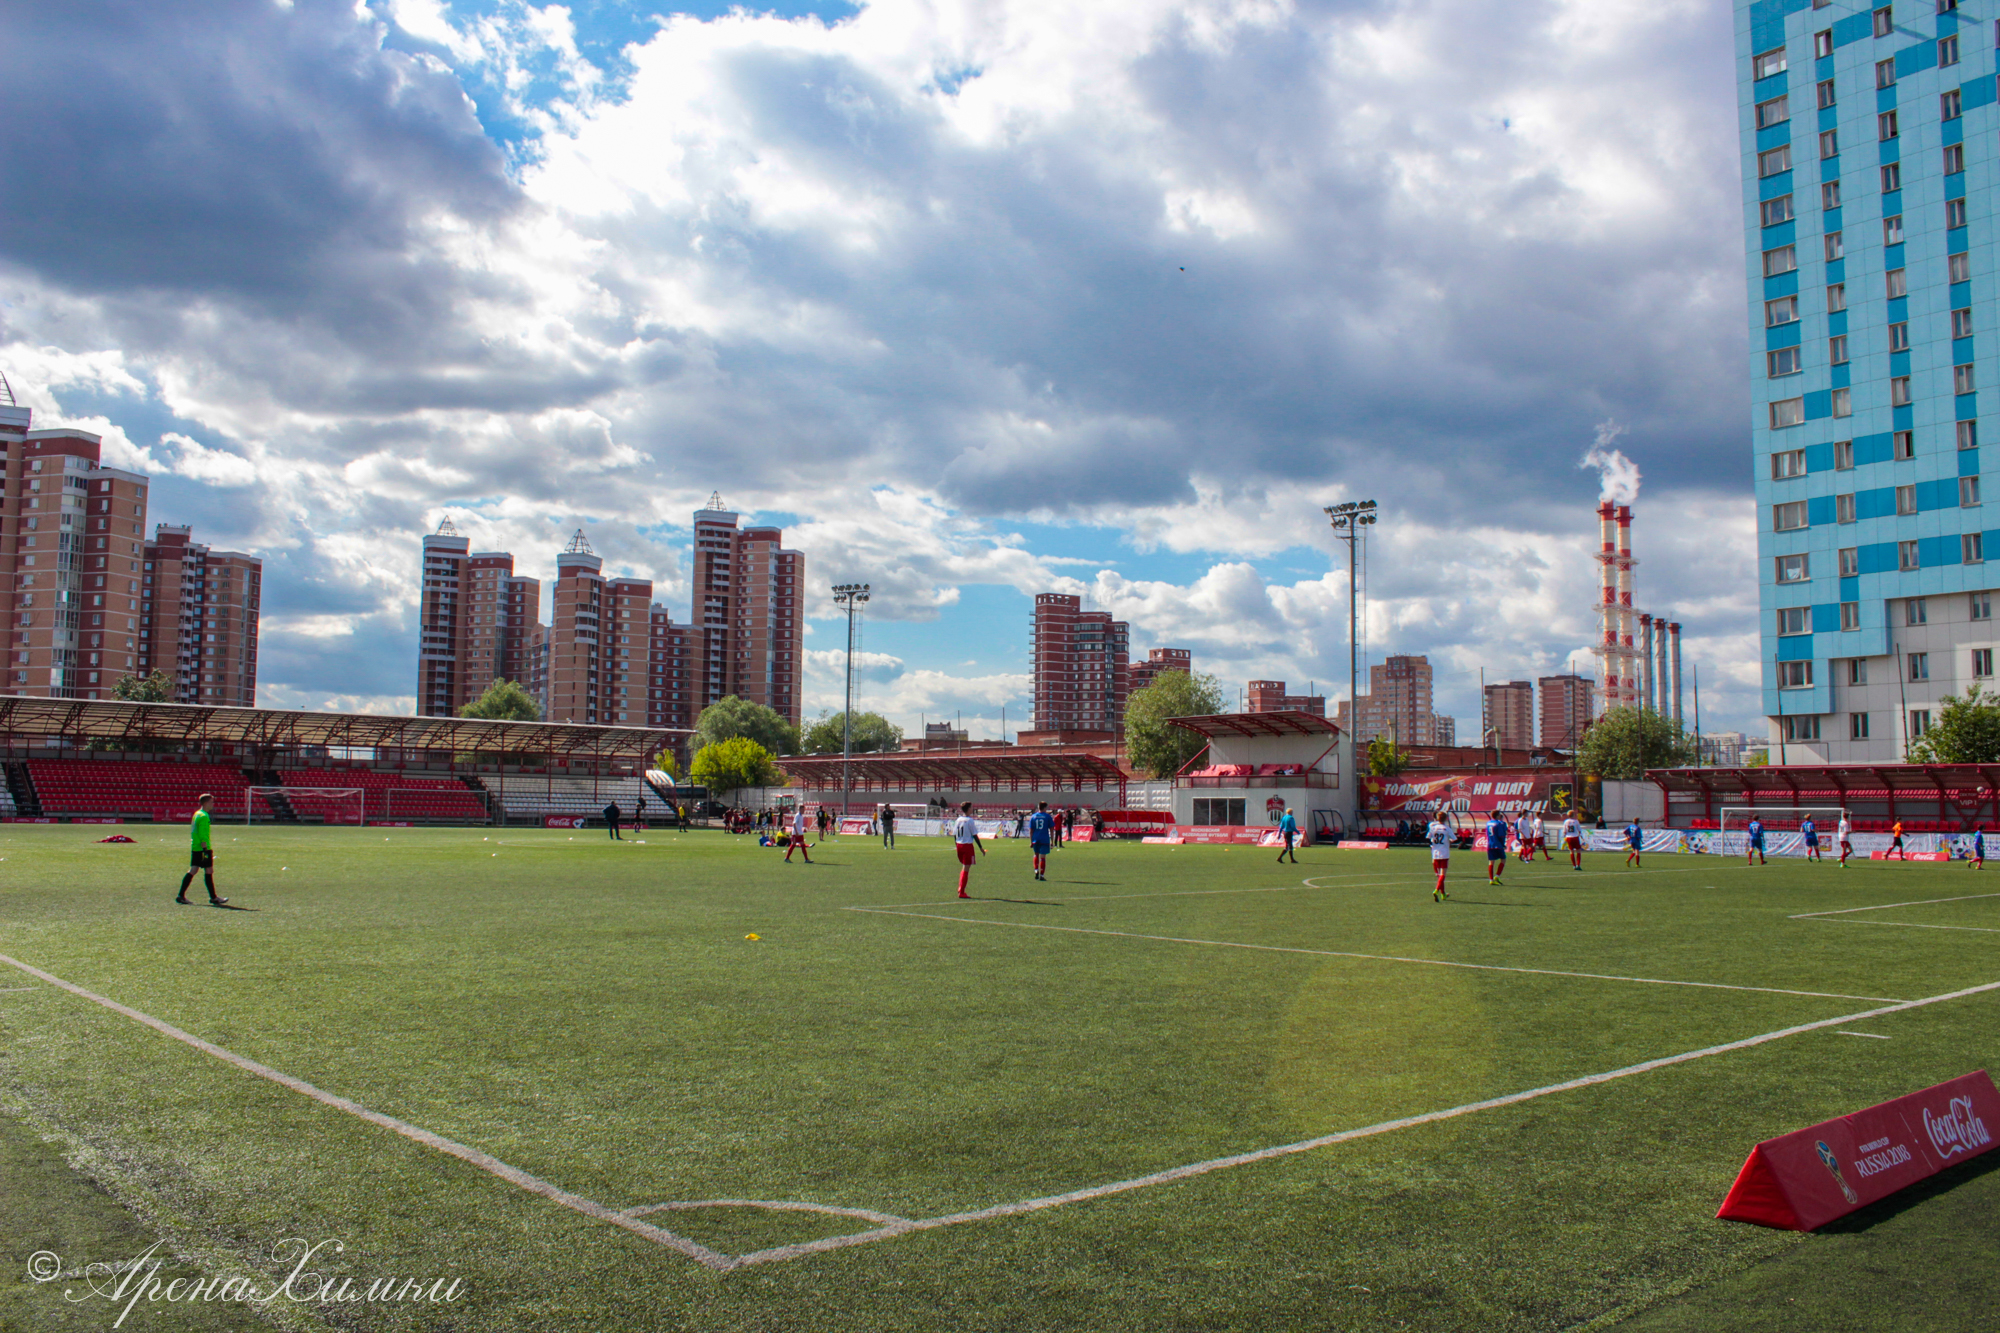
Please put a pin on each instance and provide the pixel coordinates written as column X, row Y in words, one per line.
column 1607, row 611
column 1628, row 683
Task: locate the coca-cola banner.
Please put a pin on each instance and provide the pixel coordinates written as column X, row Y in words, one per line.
column 1814, row 1175
column 1466, row 793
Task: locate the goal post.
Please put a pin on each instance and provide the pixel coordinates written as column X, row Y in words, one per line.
column 324, row 805
column 1733, row 840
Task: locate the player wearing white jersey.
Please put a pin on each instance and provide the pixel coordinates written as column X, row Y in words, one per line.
column 1573, row 842
column 1846, row 846
column 1439, row 834
column 1524, row 835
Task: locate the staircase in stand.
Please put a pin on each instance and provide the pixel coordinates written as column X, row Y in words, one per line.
column 281, row 808
column 485, row 796
column 26, row 803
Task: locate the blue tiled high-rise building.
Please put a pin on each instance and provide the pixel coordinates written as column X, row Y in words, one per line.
column 1869, row 169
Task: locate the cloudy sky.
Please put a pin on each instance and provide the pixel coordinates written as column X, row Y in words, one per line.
column 978, row 298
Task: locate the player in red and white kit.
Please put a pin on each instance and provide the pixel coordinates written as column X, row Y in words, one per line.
column 965, row 837
column 1846, row 839
column 1439, row 834
column 1524, row 837
column 1573, row 842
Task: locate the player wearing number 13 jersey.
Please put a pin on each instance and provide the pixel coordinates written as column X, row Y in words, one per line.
column 1440, row 840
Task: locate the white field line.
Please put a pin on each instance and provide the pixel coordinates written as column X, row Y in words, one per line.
column 1344, row 1136
column 1177, row 893
column 1918, row 925
column 1380, row 957
column 768, row 1205
column 1875, row 1036
column 1883, row 907
column 491, row 1165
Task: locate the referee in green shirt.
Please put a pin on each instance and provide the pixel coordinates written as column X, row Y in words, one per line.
column 203, row 855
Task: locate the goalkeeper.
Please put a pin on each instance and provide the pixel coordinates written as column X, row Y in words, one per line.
column 202, row 855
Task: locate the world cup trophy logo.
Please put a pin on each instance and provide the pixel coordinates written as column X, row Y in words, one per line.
column 1833, row 1165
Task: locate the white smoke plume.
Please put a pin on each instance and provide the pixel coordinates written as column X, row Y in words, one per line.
column 1619, row 475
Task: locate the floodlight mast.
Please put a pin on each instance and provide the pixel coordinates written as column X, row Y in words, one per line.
column 852, row 596
column 1349, row 519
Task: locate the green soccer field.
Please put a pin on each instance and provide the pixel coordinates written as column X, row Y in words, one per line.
column 1170, row 1088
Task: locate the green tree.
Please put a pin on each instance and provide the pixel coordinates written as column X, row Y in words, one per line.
column 1965, row 731
column 664, row 762
column 504, row 701
column 157, row 688
column 1152, row 742
column 1385, row 759
column 728, row 765
column 731, row 717
column 1625, row 742
column 872, row 733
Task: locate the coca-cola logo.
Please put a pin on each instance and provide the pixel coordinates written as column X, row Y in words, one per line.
column 1957, row 1130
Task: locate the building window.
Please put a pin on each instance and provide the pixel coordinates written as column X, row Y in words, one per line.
column 1788, row 463
column 1774, row 112
column 1850, row 615
column 1857, row 726
column 1775, row 211
column 1906, row 556
column 1785, row 310
column 1899, row 391
column 1850, row 561
column 1968, row 435
column 1892, row 177
column 1857, row 671
column 1968, row 492
column 1895, row 283
column 1946, row 6
column 1822, row 40
column 1792, row 620
column 1920, row 722
column 1788, row 517
column 1948, row 50
column 1954, row 158
column 1961, row 378
column 1961, row 322
column 1784, row 361
column 1836, row 298
column 1769, row 63
column 1885, row 75
column 1836, row 350
column 1788, row 412
column 1802, row 728
column 1829, row 146
column 1905, row 444
column 1795, row 675
column 1954, row 213
column 1899, row 337
column 1906, row 500
column 1982, row 661
column 1829, row 194
column 1950, row 105
column 1843, row 403
column 1843, row 508
column 1892, row 230
column 1834, row 247
column 1920, row 666
column 1885, row 126
column 1826, row 95
column 1982, row 606
column 1781, row 260
column 1884, row 23
column 1793, row 569
column 1972, row 548
column 1959, row 267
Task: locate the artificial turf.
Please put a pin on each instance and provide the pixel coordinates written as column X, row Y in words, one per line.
column 593, row 1013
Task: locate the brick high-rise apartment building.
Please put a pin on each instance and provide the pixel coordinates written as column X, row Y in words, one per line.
column 747, row 610
column 1158, row 661
column 1568, row 704
column 1081, row 663
column 71, row 539
column 474, row 622
column 1397, row 706
column 592, row 673
column 1508, row 710
column 198, row 619
column 1269, row 696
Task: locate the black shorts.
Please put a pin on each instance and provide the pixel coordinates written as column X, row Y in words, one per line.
column 203, row 859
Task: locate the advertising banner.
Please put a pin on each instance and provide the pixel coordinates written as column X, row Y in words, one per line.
column 852, row 824
column 563, row 821
column 1812, row 1176
column 1413, row 794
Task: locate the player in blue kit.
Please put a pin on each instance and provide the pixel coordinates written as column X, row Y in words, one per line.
column 1635, row 842
column 1496, row 847
column 1810, row 831
column 1041, row 827
column 1754, row 832
column 1979, row 849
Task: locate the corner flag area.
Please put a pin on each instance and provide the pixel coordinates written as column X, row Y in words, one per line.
column 676, row 1082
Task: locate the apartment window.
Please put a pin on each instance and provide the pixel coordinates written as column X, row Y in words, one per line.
column 1789, row 516
column 1945, row 6
column 1895, row 283
column 1961, row 378
column 1802, row 728
column 1857, row 726
column 1916, row 611
column 1774, row 112
column 1769, row 63
column 1829, row 194
column 1843, row 403
column 1954, row 158
column 1850, row 561
column 1982, row 661
column 1892, row 230
column 1906, row 500
column 1954, row 213
column 1948, row 50
column 1788, row 412
column 1899, row 337
column 1885, row 125
column 1781, row 260
column 1850, row 615
column 1968, row 435
column 1950, row 105
column 1857, row 669
column 1961, row 323
column 1920, row 722
column 1884, row 23
column 1843, row 508
column 1885, row 75
column 1899, row 391
column 1892, row 177
column 1972, row 548
column 1822, row 40
column 1774, row 161
column 1906, row 556
column 1905, row 444
column 1785, row 310
column 1959, row 267
column 1825, row 91
column 1784, row 361
column 1982, row 606
column 1836, row 298
column 1795, row 675
column 1829, row 146
column 1777, row 210
column 1834, row 247
column 1793, row 569
column 1836, row 350
column 1792, row 620
column 1968, row 492
column 1787, row 464
column 1920, row 666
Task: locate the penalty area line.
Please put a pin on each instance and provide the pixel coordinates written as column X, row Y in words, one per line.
column 491, row 1165
column 1883, row 907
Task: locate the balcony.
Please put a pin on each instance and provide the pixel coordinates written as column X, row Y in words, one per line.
column 1326, row 780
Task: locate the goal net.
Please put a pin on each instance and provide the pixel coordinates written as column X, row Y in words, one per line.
column 1782, row 827
column 307, row 805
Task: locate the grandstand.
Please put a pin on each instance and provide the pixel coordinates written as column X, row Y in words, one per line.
column 527, row 798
